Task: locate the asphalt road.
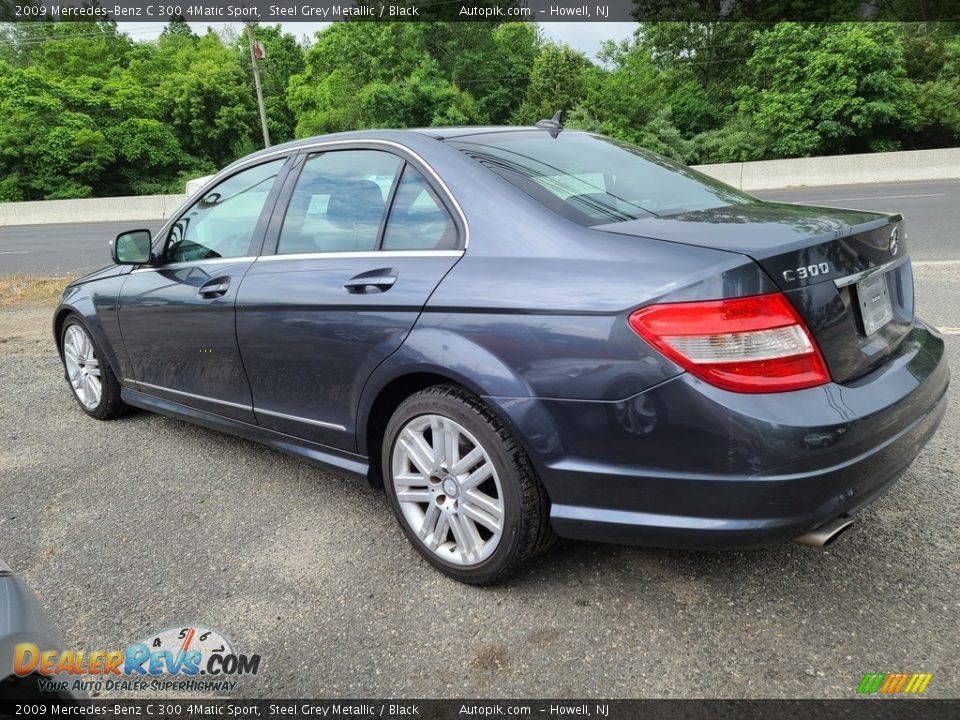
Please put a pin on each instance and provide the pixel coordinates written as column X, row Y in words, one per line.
column 932, row 210
column 57, row 250
column 129, row 527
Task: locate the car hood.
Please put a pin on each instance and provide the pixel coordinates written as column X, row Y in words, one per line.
column 104, row 272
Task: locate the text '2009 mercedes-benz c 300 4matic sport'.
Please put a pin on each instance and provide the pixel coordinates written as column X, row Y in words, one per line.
column 526, row 332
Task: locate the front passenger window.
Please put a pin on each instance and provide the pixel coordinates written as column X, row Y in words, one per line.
column 221, row 224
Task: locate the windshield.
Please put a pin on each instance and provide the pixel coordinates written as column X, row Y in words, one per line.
column 594, row 180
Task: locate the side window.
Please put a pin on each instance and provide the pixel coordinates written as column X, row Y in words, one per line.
column 221, row 223
column 418, row 220
column 339, row 202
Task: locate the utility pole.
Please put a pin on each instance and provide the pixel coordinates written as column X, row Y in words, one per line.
column 256, row 81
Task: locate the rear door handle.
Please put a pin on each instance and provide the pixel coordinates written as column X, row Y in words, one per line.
column 214, row 288
column 371, row 281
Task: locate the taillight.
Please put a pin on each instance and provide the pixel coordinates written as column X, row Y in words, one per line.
column 748, row 344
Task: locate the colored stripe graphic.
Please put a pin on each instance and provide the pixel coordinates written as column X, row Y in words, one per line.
column 871, row 682
column 894, row 683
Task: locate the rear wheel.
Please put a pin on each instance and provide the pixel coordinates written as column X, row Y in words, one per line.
column 92, row 380
column 462, row 488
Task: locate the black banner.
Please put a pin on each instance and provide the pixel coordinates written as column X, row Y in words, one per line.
column 273, row 11
column 174, row 709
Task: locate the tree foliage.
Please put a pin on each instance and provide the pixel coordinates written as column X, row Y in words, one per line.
column 85, row 111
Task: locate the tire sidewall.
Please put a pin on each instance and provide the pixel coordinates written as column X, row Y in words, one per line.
column 418, row 405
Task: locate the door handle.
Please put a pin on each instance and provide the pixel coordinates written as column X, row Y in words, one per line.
column 214, row 289
column 372, row 281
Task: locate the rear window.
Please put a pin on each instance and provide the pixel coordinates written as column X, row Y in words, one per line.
column 595, row 180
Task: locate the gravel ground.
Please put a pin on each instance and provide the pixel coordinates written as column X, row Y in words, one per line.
column 128, row 527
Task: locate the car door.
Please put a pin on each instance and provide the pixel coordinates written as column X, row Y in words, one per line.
column 177, row 317
column 364, row 239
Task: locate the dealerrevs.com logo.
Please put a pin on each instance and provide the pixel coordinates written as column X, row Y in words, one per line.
column 899, row 683
column 178, row 658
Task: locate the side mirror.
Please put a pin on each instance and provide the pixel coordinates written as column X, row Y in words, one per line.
column 131, row 248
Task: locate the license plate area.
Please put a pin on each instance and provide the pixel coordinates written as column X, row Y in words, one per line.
column 876, row 308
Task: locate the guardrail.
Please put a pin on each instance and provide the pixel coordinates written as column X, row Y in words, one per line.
column 760, row 175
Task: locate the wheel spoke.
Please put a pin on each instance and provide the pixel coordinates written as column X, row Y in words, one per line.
column 467, row 461
column 429, row 521
column 478, row 476
column 83, row 392
column 483, row 509
column 466, row 535
column 418, row 451
column 451, row 449
column 439, row 533
column 93, row 392
column 408, row 480
column 417, row 496
column 437, row 434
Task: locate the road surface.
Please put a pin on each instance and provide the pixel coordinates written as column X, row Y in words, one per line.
column 932, row 210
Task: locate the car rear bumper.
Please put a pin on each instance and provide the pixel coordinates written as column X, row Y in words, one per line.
column 685, row 464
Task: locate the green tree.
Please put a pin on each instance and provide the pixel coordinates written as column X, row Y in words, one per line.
column 829, row 88
column 938, row 99
column 362, row 75
column 559, row 80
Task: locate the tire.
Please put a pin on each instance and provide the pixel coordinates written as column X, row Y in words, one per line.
column 480, row 519
column 91, row 379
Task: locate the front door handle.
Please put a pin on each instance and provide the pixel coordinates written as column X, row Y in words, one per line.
column 371, row 281
column 214, row 288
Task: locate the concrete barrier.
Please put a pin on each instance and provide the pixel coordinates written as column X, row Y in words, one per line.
column 762, row 175
column 113, row 209
column 839, row 169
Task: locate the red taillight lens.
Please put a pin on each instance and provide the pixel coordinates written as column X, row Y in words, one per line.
column 750, row 344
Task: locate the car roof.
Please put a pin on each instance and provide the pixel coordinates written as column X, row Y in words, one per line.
column 444, row 133
column 437, row 133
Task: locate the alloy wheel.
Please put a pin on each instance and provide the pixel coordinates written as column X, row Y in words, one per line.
column 83, row 366
column 448, row 489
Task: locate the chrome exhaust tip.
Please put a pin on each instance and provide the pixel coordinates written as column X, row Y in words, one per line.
column 826, row 533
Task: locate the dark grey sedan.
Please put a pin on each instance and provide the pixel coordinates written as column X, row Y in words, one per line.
column 519, row 333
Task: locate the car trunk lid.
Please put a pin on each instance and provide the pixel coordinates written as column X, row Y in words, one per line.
column 847, row 272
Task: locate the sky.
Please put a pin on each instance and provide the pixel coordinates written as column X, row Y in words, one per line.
column 586, row 37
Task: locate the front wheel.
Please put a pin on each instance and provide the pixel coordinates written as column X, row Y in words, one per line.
column 462, row 488
column 94, row 385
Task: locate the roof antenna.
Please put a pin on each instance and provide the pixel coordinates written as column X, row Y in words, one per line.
column 554, row 124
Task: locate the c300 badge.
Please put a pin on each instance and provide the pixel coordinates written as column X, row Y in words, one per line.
column 807, row 271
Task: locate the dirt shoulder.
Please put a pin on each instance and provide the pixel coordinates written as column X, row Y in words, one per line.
column 25, row 329
column 26, row 308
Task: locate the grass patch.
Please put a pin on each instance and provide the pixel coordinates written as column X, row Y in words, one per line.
column 21, row 289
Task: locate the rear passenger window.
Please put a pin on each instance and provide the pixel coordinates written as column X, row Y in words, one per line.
column 339, row 202
column 418, row 220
